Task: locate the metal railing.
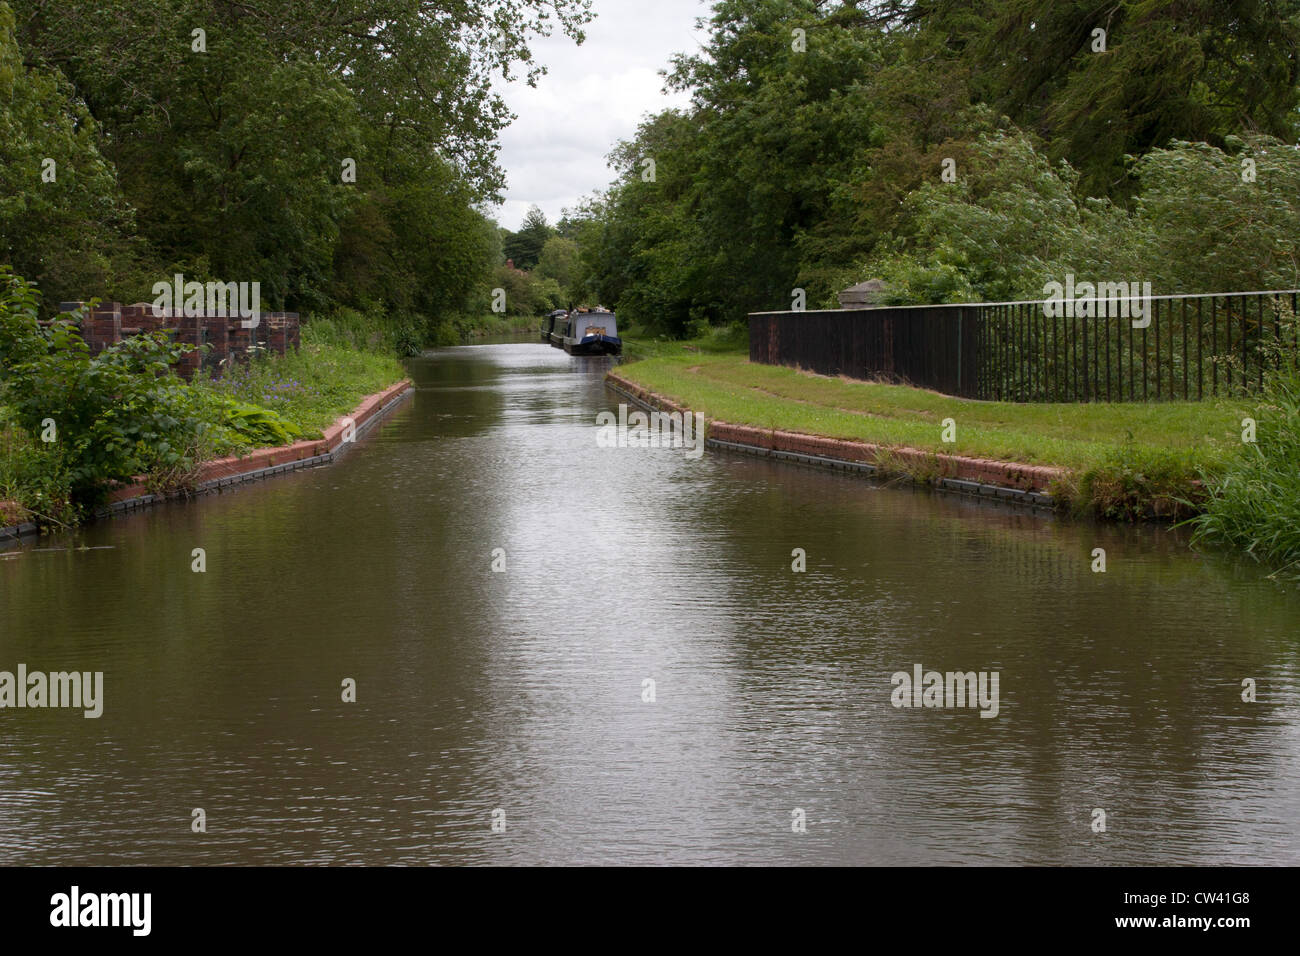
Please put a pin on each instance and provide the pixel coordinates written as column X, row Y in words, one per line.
column 1156, row 348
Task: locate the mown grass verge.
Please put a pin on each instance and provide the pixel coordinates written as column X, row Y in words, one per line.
column 1125, row 460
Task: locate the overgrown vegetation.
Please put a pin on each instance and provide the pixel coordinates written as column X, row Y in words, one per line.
column 1254, row 506
column 72, row 424
column 306, row 390
column 113, row 415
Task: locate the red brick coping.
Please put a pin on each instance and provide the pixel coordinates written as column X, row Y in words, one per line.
column 1002, row 474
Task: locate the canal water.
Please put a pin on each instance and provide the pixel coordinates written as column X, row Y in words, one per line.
column 519, row 697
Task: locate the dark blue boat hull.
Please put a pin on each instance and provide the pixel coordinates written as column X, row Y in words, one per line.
column 596, row 345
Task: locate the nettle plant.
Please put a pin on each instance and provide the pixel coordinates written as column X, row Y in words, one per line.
column 115, row 415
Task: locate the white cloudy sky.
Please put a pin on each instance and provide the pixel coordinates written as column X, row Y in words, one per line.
column 592, row 96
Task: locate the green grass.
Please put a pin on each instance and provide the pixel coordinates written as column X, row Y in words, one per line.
column 719, row 340
column 1122, row 456
column 480, row 327
column 313, row 387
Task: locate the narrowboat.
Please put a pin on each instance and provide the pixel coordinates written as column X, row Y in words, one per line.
column 586, row 333
column 549, row 321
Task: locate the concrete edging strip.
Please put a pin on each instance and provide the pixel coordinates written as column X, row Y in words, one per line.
column 18, row 531
column 970, row 476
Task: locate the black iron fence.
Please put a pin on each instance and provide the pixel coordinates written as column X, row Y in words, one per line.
column 1106, row 349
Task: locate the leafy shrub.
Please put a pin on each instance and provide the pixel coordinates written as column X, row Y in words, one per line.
column 117, row 414
column 254, row 426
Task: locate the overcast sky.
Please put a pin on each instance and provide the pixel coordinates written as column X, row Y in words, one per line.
column 592, row 96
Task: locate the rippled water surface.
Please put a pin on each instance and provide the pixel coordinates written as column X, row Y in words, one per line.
column 523, row 690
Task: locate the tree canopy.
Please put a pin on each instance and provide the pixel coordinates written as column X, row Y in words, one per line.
column 337, row 151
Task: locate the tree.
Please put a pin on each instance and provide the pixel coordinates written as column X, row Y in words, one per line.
column 559, row 261
column 525, row 246
column 1156, row 72
column 60, row 207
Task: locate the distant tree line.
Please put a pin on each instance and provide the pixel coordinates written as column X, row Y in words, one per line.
column 542, row 270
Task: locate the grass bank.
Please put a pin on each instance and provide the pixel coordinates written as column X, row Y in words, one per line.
column 492, row 325
column 308, row 389
column 1125, row 460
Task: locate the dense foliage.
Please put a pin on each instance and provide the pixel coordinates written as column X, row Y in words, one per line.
column 338, row 153
column 814, row 151
column 1254, row 507
column 73, row 424
column 113, row 415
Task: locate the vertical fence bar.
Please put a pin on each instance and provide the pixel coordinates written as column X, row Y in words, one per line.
column 1145, row 374
column 1027, row 389
column 1131, row 395
column 1186, row 395
column 1072, row 389
column 1227, row 324
column 1084, row 345
column 1105, row 341
column 1049, row 356
column 995, row 388
column 1009, row 326
column 1200, row 350
column 1009, row 372
column 1002, row 352
column 1155, row 329
column 1054, row 367
column 1096, row 364
column 1047, row 362
column 982, row 377
column 1033, row 350
column 1119, row 361
column 1017, row 354
column 1026, row 373
column 991, row 353
column 1245, row 361
column 1262, row 358
column 1276, row 306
